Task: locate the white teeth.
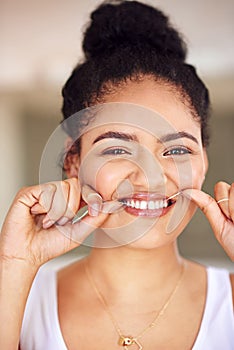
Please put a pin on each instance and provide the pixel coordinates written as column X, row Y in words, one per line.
column 151, row 205
column 143, row 205
column 137, row 204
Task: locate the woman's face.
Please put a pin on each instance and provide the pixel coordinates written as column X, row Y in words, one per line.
column 143, row 158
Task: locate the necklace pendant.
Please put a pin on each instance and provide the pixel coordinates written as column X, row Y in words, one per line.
column 128, row 341
column 125, row 341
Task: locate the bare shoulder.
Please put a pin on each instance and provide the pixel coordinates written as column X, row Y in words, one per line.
column 232, row 283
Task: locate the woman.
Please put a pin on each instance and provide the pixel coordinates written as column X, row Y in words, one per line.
column 144, row 149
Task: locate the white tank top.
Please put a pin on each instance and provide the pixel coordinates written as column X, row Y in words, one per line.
column 41, row 329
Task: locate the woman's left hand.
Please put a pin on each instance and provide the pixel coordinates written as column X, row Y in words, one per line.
column 220, row 215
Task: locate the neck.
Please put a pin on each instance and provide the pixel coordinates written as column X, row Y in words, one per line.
column 127, row 270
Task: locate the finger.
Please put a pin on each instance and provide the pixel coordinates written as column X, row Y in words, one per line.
column 37, row 197
column 46, row 196
column 93, row 199
column 231, row 201
column 209, row 207
column 47, row 192
column 29, row 197
column 221, row 192
column 58, row 204
column 79, row 231
column 96, row 203
column 38, row 209
column 73, row 201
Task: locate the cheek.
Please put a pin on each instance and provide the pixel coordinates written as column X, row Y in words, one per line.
column 179, row 173
column 198, row 177
column 110, row 176
column 188, row 174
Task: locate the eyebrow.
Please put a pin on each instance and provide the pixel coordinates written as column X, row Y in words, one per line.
column 116, row 135
column 177, row 135
column 131, row 137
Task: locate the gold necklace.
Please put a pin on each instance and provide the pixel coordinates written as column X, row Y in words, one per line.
column 127, row 341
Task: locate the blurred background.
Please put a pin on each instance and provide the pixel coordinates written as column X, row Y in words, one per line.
column 40, row 42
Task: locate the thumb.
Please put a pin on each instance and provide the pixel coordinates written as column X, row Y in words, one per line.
column 209, row 207
column 80, row 230
column 93, row 199
column 220, row 223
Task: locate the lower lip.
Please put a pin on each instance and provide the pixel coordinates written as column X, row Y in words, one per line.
column 148, row 212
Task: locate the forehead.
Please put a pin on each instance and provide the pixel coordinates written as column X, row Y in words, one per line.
column 137, row 119
column 164, row 98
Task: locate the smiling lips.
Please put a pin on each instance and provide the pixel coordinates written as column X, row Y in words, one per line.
column 147, row 205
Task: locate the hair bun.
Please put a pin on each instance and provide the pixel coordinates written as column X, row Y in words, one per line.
column 116, row 24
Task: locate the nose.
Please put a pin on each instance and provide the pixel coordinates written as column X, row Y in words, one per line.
column 147, row 172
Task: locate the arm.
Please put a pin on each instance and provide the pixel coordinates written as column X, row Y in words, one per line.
column 16, row 278
column 34, row 232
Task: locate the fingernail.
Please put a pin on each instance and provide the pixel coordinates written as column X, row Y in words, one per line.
column 94, row 209
column 187, row 193
column 94, row 197
column 48, row 223
column 111, row 207
column 62, row 221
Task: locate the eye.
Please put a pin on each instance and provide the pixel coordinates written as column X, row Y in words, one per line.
column 177, row 151
column 116, row 151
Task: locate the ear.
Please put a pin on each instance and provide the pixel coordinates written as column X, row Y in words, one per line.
column 71, row 159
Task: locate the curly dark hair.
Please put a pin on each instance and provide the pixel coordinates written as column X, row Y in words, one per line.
column 130, row 40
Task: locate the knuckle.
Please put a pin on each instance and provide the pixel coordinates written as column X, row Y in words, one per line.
column 73, row 182
column 72, row 209
column 23, row 191
column 64, row 186
column 50, row 187
column 221, row 188
column 220, row 184
column 206, row 207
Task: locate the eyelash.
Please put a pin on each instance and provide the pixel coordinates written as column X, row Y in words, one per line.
column 115, row 151
column 179, row 151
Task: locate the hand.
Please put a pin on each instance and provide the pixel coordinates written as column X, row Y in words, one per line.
column 220, row 215
column 38, row 227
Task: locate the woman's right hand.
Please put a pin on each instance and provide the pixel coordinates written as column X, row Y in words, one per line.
column 38, row 225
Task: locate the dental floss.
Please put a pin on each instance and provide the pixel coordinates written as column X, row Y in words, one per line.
column 109, row 207
column 83, row 212
column 174, row 195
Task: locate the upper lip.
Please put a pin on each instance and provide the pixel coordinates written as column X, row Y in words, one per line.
column 145, row 196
